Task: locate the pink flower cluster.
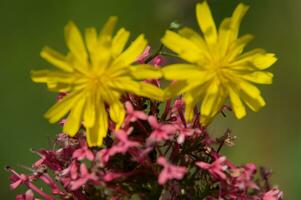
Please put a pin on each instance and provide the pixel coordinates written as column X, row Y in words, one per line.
column 156, row 154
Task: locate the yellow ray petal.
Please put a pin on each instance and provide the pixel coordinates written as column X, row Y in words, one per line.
column 236, row 19
column 61, row 108
column 260, row 77
column 196, row 39
column 256, row 58
column 238, row 46
column 73, row 121
column 40, row 76
column 119, row 42
column 251, row 96
column 237, row 105
column 174, row 89
column 98, row 60
column 56, row 59
column 96, row 134
column 141, row 72
column 210, row 99
column 190, row 99
column 44, row 76
column 264, row 61
column 125, row 83
column 117, row 113
column 75, row 43
column 91, row 39
column 254, row 104
column 224, row 36
column 132, row 53
column 215, row 103
column 107, row 30
column 56, row 80
column 186, row 48
column 182, row 72
column 206, row 22
column 89, row 113
column 151, row 91
column 139, row 88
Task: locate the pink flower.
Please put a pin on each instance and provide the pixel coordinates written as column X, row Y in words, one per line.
column 161, row 131
column 122, row 146
column 48, row 158
column 157, row 61
column 85, row 176
column 273, row 194
column 244, row 180
column 183, row 132
column 83, row 152
column 178, row 105
column 144, row 55
column 110, row 176
column 169, row 171
column 71, row 170
column 49, row 181
column 133, row 115
column 19, row 179
column 27, row 196
column 216, row 169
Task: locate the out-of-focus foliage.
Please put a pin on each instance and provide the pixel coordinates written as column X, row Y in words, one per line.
column 271, row 137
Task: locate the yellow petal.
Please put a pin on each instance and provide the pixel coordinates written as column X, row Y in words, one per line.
column 61, row 108
column 238, row 46
column 75, row 43
column 224, row 36
column 40, row 76
column 236, row 19
column 125, row 83
column 151, row 91
column 96, row 134
column 182, row 72
column 117, row 113
column 119, row 42
column 259, row 77
column 228, row 32
column 142, row 72
column 251, row 96
column 186, row 48
column 108, row 28
column 237, row 105
column 73, row 121
column 256, row 58
column 56, row 59
column 212, row 104
column 174, row 89
column 190, row 100
column 89, row 113
column 196, row 39
column 209, row 105
column 43, row 76
column 91, row 39
column 206, row 22
column 264, row 61
column 56, row 80
column 132, row 53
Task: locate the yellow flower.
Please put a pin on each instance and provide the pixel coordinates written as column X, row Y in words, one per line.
column 95, row 74
column 219, row 69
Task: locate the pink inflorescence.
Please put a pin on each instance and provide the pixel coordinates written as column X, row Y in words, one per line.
column 156, row 154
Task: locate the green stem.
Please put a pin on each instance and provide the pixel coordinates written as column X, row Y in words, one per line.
column 168, row 54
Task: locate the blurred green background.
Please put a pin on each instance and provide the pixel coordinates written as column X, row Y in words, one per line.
column 271, row 137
